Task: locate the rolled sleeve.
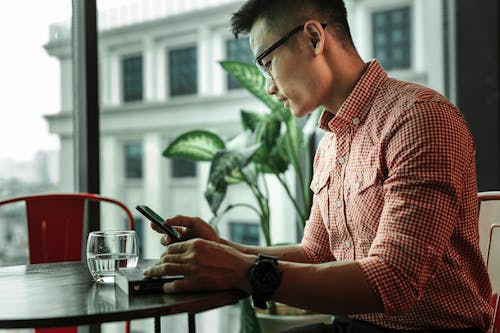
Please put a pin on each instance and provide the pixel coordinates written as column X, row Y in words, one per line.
column 421, row 204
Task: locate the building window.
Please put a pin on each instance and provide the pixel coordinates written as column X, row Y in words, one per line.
column 133, row 160
column 132, row 78
column 239, row 50
column 183, row 71
column 244, row 233
column 392, row 38
column 183, row 168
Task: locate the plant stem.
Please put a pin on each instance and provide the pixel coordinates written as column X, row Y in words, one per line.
column 263, row 202
column 300, row 213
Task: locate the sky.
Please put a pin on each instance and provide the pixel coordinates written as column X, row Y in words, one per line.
column 29, row 77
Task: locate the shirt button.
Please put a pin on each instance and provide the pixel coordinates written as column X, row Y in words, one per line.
column 357, row 185
column 347, row 244
column 355, row 121
column 341, row 160
column 338, row 203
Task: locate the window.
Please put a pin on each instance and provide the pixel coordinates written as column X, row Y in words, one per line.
column 183, row 71
column 132, row 78
column 239, row 50
column 33, row 159
column 183, row 168
column 133, row 160
column 244, row 233
column 392, row 38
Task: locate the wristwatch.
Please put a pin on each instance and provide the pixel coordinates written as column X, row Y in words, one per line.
column 264, row 277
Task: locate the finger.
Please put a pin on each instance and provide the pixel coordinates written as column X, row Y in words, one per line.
column 155, row 228
column 165, row 269
column 166, row 257
column 184, row 221
column 177, row 248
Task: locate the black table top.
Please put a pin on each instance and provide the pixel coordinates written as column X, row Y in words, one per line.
column 64, row 294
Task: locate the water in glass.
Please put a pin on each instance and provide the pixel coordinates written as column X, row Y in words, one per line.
column 107, row 251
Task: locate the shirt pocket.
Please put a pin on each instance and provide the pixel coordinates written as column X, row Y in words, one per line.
column 319, row 186
column 365, row 199
column 359, row 182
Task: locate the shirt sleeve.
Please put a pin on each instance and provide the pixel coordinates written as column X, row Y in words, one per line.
column 428, row 152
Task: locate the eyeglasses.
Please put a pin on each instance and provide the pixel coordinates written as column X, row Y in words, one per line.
column 281, row 41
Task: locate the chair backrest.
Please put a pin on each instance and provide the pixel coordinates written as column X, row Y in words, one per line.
column 55, row 224
column 489, row 236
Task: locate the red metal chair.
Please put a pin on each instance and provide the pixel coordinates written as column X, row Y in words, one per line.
column 489, row 219
column 51, row 215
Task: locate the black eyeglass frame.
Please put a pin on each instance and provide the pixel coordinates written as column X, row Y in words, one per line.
column 281, row 41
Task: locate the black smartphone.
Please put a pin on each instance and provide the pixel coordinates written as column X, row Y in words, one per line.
column 158, row 221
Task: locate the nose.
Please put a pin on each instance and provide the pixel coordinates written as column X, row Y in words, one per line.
column 271, row 87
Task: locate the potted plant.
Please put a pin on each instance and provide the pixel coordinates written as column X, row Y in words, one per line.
column 271, row 143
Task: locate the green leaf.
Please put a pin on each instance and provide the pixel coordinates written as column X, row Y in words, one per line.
column 248, row 319
column 226, row 163
column 268, row 130
column 273, row 159
column 251, row 78
column 215, row 196
column 197, row 145
column 250, row 120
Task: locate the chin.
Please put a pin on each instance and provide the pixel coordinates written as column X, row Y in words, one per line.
column 300, row 112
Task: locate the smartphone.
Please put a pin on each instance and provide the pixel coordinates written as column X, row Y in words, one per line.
column 158, row 221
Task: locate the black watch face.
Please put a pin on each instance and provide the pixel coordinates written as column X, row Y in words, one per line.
column 266, row 276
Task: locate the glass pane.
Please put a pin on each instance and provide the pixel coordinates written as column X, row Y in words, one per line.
column 36, row 118
column 183, row 168
column 133, row 160
column 132, row 78
column 183, row 71
column 392, row 38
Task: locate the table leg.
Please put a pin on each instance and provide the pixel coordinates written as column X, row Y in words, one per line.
column 191, row 323
column 157, row 324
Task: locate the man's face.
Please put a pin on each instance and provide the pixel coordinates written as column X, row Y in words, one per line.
column 287, row 66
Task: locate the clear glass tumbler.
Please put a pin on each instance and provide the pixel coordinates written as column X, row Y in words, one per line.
column 107, row 251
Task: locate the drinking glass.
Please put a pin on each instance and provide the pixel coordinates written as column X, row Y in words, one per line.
column 107, row 251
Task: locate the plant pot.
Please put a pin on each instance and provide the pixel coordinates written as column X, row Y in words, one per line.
column 278, row 323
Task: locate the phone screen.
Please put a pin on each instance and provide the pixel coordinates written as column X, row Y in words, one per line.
column 158, row 221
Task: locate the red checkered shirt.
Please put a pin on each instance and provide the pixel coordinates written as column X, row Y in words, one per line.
column 395, row 190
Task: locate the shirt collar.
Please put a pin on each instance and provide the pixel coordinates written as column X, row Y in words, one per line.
column 358, row 103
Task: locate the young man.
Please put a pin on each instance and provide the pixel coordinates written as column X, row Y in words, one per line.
column 392, row 240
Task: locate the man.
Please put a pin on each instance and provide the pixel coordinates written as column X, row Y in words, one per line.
column 392, row 239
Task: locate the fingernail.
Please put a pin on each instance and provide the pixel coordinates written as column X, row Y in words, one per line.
column 145, row 272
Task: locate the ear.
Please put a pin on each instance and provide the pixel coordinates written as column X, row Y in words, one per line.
column 316, row 36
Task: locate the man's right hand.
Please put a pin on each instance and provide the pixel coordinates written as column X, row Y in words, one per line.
column 189, row 227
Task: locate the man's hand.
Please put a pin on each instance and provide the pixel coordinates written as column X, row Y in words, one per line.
column 205, row 264
column 189, row 228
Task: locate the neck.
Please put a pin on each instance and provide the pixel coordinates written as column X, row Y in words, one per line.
column 346, row 72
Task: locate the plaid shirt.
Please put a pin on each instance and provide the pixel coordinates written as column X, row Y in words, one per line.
column 395, row 189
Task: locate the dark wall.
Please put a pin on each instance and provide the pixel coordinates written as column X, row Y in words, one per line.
column 478, row 83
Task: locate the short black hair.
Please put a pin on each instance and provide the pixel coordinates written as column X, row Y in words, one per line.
column 284, row 14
